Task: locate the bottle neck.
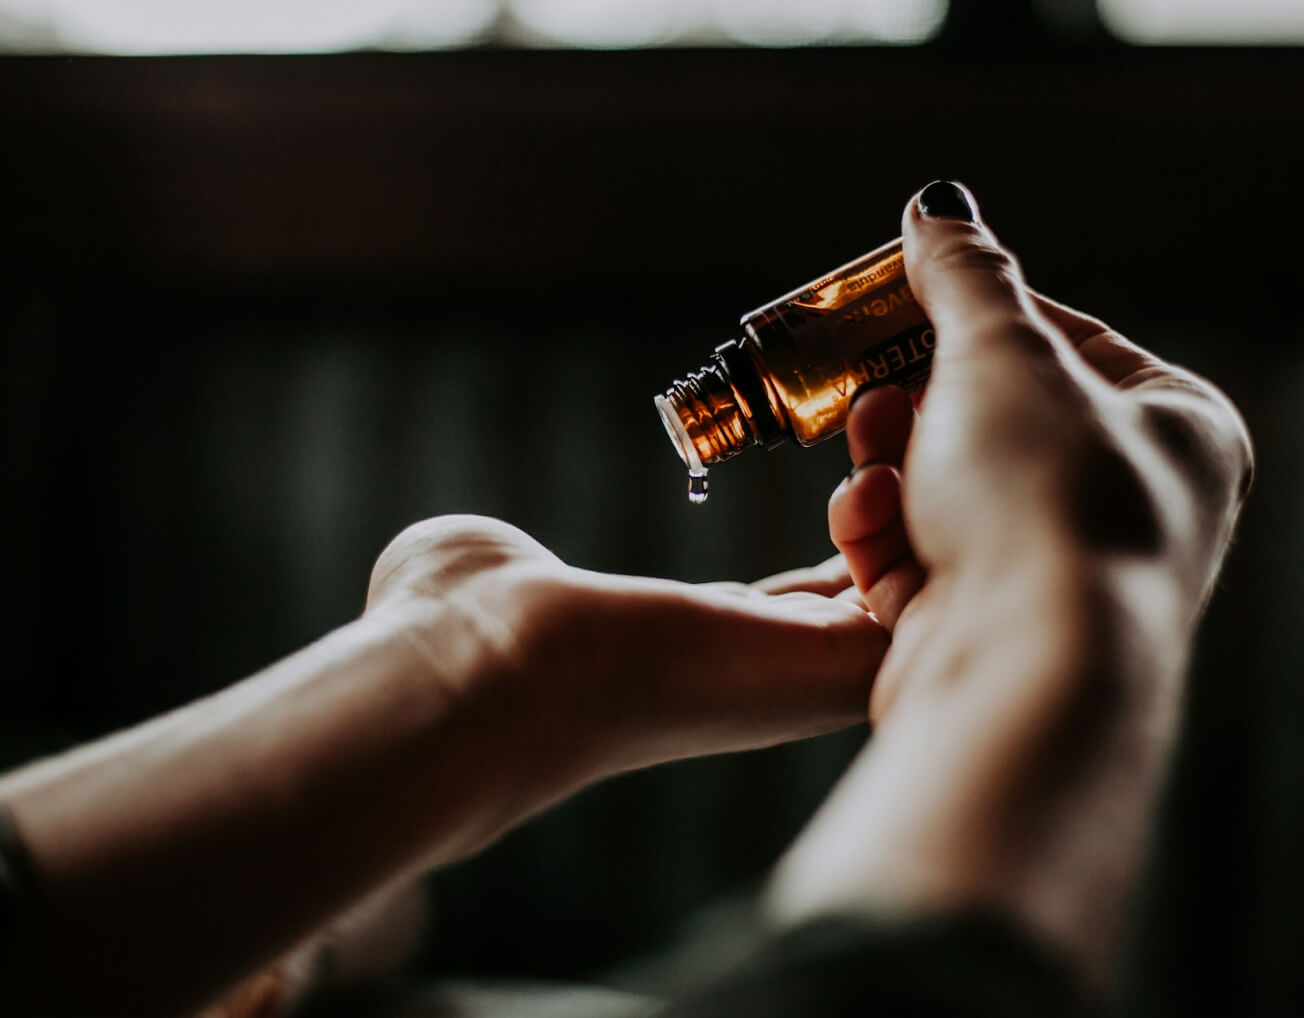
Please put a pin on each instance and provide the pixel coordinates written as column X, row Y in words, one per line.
column 718, row 412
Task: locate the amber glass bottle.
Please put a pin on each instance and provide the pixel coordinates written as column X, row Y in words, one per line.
column 800, row 360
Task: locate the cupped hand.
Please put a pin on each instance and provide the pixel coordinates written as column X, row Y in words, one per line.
column 581, row 674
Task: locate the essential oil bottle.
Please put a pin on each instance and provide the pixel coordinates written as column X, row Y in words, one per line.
column 800, row 360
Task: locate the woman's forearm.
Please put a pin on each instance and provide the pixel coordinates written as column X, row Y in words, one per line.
column 1018, row 769
column 176, row 857
column 486, row 681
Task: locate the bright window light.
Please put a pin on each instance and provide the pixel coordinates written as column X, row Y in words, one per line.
column 601, row 24
column 306, row 26
column 1203, row 22
column 250, row 26
column 784, row 23
column 777, row 22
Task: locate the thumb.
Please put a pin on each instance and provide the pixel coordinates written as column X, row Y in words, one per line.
column 969, row 286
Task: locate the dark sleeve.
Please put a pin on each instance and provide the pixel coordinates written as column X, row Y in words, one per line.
column 16, row 888
column 947, row 966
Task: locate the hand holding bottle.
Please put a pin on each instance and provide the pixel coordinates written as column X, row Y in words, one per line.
column 1061, row 506
column 1044, row 433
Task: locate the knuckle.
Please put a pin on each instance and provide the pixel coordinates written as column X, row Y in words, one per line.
column 971, row 251
column 451, row 545
column 1248, row 467
column 1237, row 446
column 1115, row 502
column 1203, row 435
column 989, row 302
column 456, row 530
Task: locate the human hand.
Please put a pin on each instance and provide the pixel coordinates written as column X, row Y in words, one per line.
column 1059, row 510
column 574, row 675
column 485, row 680
column 1044, row 433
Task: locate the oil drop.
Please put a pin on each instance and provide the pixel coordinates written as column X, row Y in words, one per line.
column 687, row 450
column 697, row 486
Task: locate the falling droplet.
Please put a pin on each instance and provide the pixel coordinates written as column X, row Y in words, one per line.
column 687, row 449
column 697, row 486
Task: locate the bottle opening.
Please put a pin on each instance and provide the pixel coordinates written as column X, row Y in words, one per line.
column 683, row 442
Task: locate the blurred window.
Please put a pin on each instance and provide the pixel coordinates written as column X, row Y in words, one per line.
column 1206, row 22
column 281, row 26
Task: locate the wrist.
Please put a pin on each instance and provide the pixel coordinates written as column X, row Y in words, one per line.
column 1087, row 602
column 352, row 762
column 1016, row 768
column 491, row 659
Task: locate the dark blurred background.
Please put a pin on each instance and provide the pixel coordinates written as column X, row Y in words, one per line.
column 259, row 312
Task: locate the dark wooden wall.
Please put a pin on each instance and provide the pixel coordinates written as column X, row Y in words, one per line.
column 258, row 313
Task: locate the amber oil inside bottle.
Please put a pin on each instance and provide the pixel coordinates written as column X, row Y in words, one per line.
column 800, row 360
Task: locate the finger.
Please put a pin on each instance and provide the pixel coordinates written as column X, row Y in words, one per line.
column 1127, row 365
column 889, row 595
column 1111, row 354
column 735, row 587
column 866, row 525
column 871, row 557
column 878, row 425
column 1190, row 416
column 862, row 507
column 814, row 657
column 829, row 578
column 753, row 671
column 878, row 429
column 969, row 286
column 865, row 509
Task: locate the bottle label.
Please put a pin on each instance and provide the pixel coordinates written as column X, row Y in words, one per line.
column 903, row 360
column 866, row 321
column 859, row 325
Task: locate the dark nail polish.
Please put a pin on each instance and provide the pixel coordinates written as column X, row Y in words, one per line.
column 862, row 466
column 943, row 199
column 860, row 391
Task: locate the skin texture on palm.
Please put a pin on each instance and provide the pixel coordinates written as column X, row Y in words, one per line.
column 640, row 670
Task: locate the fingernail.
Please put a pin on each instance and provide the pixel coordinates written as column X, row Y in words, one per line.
column 866, row 387
column 863, row 466
column 943, row 199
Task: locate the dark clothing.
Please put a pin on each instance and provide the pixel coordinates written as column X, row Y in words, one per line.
column 16, row 888
column 953, row 966
column 949, row 966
